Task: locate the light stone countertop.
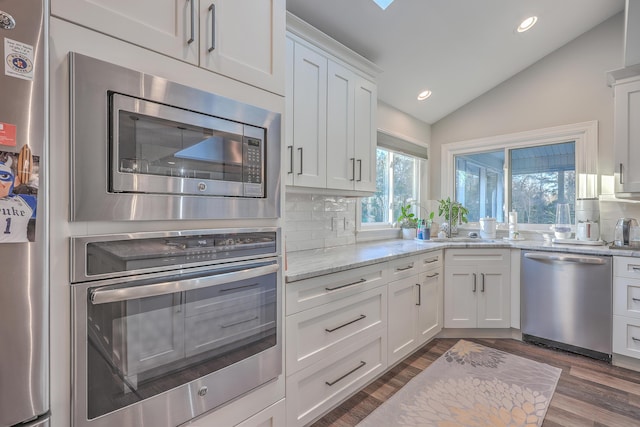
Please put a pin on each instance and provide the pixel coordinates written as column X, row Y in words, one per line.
column 317, row 262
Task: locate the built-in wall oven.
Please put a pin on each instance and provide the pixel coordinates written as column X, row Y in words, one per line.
column 167, row 326
column 145, row 148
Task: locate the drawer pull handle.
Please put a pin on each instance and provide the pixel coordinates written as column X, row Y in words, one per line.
column 635, row 339
column 431, row 276
column 636, row 299
column 361, row 365
column 419, row 294
column 636, row 269
column 228, row 325
column 429, row 261
column 362, row 316
column 347, row 285
column 408, row 267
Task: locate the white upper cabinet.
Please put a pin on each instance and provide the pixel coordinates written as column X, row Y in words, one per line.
column 241, row 39
column 351, row 130
column 307, row 119
column 331, row 131
column 244, row 39
column 627, row 137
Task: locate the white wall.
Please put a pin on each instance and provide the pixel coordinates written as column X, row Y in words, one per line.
column 567, row 86
column 398, row 123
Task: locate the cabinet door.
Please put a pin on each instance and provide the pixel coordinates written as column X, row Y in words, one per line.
column 402, row 317
column 273, row 416
column 341, row 167
column 493, row 298
column 287, row 148
column 430, row 305
column 460, row 297
column 365, row 137
column 626, row 134
column 309, row 143
column 166, row 26
column 244, row 40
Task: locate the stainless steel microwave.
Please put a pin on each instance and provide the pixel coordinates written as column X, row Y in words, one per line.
column 145, row 148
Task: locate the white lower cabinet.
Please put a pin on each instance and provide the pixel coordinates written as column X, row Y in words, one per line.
column 344, row 329
column 336, row 338
column 477, row 292
column 314, row 390
column 415, row 304
column 273, row 416
column 626, row 306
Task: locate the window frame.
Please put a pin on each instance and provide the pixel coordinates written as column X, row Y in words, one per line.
column 585, row 136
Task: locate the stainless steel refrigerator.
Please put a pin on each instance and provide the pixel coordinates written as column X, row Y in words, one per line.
column 24, row 298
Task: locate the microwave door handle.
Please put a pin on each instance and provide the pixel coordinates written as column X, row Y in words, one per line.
column 112, row 294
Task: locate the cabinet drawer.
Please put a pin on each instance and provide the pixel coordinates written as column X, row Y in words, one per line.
column 314, row 390
column 430, row 261
column 626, row 267
column 626, row 297
column 626, row 336
column 404, row 267
column 314, row 333
column 480, row 257
column 309, row 293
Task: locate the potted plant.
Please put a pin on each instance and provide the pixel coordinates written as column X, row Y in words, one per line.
column 458, row 213
column 408, row 222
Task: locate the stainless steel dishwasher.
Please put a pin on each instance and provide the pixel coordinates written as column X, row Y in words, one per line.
column 566, row 302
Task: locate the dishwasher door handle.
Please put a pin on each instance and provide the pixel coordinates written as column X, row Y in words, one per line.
column 580, row 259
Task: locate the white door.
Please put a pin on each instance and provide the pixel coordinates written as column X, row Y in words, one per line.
column 430, row 308
column 310, row 118
column 402, row 318
column 365, row 135
column 493, row 298
column 244, row 40
column 341, row 161
column 287, row 156
column 166, row 26
column 460, row 297
column 627, row 135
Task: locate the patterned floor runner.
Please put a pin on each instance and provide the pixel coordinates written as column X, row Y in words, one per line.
column 472, row 386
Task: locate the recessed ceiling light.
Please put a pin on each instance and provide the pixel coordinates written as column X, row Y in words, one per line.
column 424, row 95
column 383, row 3
column 527, row 24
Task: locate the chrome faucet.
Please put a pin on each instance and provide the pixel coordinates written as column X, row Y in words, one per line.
column 450, row 217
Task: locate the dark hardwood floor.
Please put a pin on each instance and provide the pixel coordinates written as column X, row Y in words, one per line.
column 589, row 392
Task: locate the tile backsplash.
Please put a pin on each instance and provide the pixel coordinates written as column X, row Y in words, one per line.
column 319, row 221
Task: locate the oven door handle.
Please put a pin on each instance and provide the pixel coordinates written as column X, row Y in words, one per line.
column 113, row 294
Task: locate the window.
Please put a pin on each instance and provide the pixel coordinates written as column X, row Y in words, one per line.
column 538, row 178
column 397, row 183
column 528, row 172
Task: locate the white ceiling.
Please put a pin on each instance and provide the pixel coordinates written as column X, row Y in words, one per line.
column 458, row 49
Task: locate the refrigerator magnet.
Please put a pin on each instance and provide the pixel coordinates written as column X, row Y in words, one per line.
column 18, row 61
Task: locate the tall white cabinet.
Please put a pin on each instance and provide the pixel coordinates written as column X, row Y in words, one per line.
column 241, row 39
column 331, row 97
